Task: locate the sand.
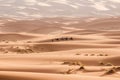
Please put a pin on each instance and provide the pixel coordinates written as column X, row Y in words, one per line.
column 85, row 51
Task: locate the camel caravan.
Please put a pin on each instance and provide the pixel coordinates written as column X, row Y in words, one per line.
column 62, row 39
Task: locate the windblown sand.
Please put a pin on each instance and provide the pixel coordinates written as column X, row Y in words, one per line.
column 76, row 54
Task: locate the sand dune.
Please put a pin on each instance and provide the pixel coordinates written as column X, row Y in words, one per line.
column 36, row 76
column 62, row 49
column 112, row 42
column 36, row 59
column 61, row 25
column 14, row 37
column 85, row 32
column 104, row 24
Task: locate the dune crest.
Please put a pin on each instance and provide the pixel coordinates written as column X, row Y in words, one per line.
column 60, row 49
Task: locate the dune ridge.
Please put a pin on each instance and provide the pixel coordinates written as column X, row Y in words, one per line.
column 60, row 49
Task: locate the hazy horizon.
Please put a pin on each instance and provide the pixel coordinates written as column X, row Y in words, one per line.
column 59, row 8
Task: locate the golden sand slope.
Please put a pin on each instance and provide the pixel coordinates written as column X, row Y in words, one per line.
column 78, row 54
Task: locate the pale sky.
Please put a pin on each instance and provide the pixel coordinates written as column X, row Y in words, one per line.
column 41, row 8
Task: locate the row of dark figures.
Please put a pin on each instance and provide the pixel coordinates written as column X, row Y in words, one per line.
column 62, row 39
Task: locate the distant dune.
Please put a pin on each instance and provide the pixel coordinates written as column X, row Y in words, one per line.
column 54, row 25
column 14, row 37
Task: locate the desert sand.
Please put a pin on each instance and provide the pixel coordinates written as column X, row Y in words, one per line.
column 60, row 49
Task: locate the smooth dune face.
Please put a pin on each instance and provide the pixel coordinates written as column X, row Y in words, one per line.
column 64, row 49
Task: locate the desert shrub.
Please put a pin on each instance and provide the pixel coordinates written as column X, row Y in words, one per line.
column 81, row 67
column 77, row 54
column 72, row 63
column 70, row 71
column 86, row 54
column 106, row 54
column 110, row 71
column 3, row 40
column 65, row 62
column 6, row 42
column 108, row 64
column 29, row 41
column 6, row 52
column 29, row 50
column 117, row 68
column 101, row 63
column 75, row 63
